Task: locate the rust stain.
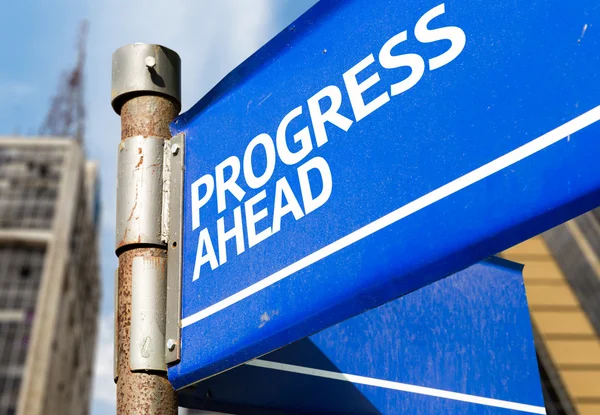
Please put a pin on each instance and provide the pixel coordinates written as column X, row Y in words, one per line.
column 140, row 162
column 139, row 150
column 125, row 241
column 132, row 210
column 147, row 116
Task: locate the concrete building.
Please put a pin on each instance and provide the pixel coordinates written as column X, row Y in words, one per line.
column 49, row 277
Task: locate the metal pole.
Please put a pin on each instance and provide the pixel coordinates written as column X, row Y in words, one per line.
column 146, row 93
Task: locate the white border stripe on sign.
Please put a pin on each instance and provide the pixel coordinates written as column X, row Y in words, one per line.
column 403, row 387
column 430, row 198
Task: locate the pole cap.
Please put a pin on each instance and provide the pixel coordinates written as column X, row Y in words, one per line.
column 141, row 68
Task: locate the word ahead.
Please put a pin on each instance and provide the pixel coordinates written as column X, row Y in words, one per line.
column 370, row 149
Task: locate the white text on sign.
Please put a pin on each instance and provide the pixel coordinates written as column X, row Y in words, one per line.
column 245, row 216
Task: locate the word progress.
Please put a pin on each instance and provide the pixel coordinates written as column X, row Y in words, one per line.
column 252, row 225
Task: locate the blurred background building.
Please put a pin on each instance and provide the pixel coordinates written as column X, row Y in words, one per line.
column 49, row 270
column 49, row 279
column 562, row 279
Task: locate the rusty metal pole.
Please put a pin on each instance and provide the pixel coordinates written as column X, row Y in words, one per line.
column 146, row 93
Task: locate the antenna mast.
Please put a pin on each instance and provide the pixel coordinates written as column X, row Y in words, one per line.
column 66, row 117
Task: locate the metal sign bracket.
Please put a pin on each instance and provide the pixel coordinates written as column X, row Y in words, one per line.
column 171, row 233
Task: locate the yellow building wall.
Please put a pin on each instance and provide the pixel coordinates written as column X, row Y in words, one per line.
column 563, row 326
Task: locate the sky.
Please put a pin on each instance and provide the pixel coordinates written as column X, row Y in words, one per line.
column 38, row 42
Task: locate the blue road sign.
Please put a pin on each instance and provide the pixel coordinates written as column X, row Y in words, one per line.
column 372, row 148
column 461, row 345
